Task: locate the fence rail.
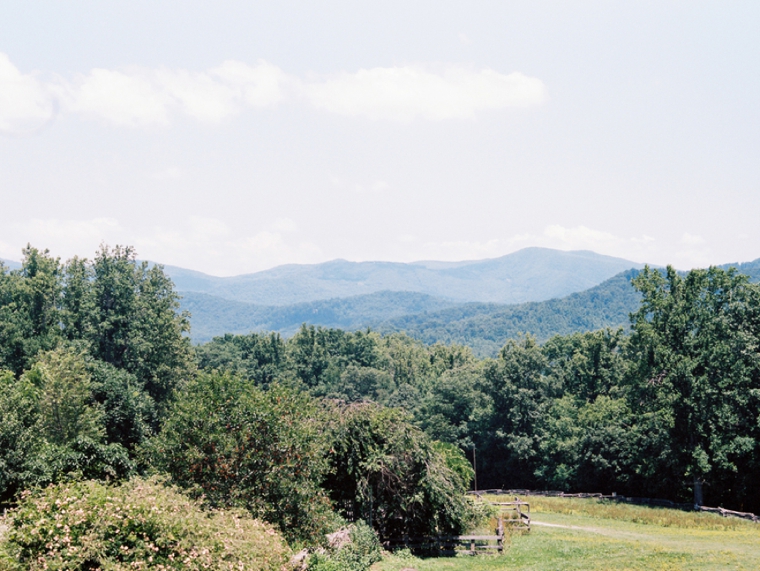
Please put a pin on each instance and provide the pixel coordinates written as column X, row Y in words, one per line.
column 447, row 545
column 623, row 499
column 514, row 515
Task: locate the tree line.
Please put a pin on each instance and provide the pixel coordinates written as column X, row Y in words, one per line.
column 669, row 408
column 100, row 381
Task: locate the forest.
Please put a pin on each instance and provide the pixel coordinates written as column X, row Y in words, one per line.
column 99, row 382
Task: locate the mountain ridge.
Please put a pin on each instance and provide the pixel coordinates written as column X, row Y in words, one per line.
column 530, row 274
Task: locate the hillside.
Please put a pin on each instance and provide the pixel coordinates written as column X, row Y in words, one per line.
column 486, row 327
column 213, row 316
column 532, row 274
column 752, row 269
column 483, row 326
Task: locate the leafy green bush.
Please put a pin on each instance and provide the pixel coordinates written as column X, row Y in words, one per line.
column 240, row 446
column 387, row 472
column 358, row 554
column 139, row 525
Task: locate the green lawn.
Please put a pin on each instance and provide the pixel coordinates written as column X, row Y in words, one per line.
column 589, row 535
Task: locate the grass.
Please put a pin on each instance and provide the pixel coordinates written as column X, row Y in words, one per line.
column 596, row 535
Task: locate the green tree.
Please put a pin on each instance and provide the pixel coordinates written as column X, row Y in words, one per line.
column 386, row 471
column 29, row 309
column 135, row 324
column 21, row 436
column 696, row 374
column 521, row 392
column 241, row 446
column 259, row 357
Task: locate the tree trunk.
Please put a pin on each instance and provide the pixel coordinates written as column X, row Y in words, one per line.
column 697, row 492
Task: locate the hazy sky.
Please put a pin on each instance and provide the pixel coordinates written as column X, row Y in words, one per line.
column 230, row 137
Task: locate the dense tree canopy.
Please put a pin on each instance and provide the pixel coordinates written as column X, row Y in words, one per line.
column 98, row 380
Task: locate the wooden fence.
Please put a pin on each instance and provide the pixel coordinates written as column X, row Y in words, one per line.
column 452, row 544
column 513, row 516
column 624, row 499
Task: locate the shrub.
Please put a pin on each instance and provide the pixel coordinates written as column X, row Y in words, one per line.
column 358, row 554
column 139, row 525
column 240, row 446
column 387, row 472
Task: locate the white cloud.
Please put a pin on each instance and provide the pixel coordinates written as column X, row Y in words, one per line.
column 635, row 248
column 125, row 99
column 25, row 103
column 284, row 225
column 405, row 93
column 140, row 97
column 65, row 238
column 205, row 228
column 210, row 246
column 199, row 95
column 143, row 97
column 580, row 236
column 457, row 250
column 260, row 86
column 638, row 249
column 197, row 242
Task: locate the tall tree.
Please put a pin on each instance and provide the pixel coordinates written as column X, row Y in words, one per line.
column 134, row 321
column 29, row 309
column 696, row 359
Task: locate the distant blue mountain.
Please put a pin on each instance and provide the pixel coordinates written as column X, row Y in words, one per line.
column 532, row 274
column 483, row 326
column 10, row 264
column 212, row 316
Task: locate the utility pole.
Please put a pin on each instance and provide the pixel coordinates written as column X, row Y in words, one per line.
column 475, row 467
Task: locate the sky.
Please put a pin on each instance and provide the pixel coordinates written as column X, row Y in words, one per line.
column 230, row 137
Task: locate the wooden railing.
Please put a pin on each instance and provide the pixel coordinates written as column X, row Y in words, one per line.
column 513, row 516
column 624, row 499
column 451, row 545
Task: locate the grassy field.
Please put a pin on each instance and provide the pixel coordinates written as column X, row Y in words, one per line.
column 593, row 535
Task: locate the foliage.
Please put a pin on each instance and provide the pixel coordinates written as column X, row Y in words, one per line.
column 50, row 430
column 65, row 397
column 119, row 311
column 388, row 473
column 94, row 352
column 137, row 525
column 241, row 446
column 696, row 372
column 20, row 433
column 257, row 357
column 358, row 554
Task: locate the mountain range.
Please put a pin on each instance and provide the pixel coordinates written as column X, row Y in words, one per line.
column 531, row 274
column 479, row 303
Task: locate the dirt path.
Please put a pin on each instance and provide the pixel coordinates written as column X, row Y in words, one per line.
column 601, row 531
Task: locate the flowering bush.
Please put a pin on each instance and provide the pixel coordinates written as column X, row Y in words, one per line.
column 139, row 525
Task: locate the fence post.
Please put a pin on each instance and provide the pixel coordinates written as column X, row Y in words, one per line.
column 500, row 533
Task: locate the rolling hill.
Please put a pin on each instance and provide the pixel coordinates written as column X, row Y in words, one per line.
column 486, row 327
column 532, row 274
column 212, row 316
column 483, row 326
